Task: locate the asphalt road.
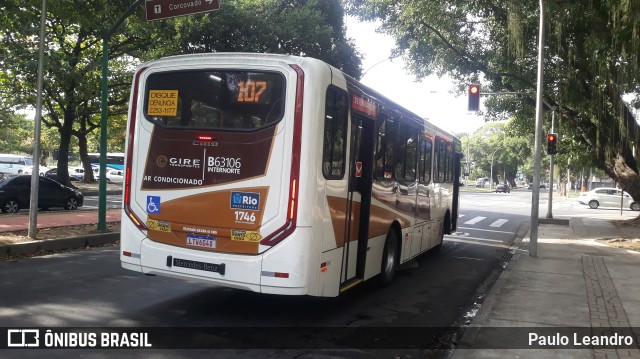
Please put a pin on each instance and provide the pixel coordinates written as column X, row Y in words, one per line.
column 425, row 307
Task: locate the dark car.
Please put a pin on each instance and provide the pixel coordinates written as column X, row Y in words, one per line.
column 15, row 194
column 53, row 174
column 503, row 187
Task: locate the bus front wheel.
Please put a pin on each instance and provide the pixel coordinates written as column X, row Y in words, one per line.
column 389, row 259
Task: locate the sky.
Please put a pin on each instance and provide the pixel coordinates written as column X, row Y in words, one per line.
column 431, row 99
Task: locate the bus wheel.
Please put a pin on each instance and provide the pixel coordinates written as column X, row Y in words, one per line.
column 445, row 224
column 389, row 259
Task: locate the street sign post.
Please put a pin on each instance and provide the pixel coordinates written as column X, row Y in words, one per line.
column 163, row 9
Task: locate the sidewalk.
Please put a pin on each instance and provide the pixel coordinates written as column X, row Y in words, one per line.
column 57, row 219
column 20, row 221
column 575, row 287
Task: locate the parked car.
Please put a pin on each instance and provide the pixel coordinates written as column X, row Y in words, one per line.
column 608, row 197
column 15, row 194
column 481, row 182
column 73, row 175
column 29, row 170
column 542, row 185
column 78, row 172
column 503, row 187
column 115, row 176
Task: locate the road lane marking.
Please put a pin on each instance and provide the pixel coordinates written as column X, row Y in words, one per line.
column 475, row 220
column 485, row 230
column 499, row 223
column 479, row 241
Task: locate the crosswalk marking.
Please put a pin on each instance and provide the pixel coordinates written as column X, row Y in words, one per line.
column 499, row 223
column 475, row 220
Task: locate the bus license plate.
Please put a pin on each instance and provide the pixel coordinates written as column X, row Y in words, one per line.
column 209, row 267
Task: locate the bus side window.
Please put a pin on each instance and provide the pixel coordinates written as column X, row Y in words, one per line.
column 335, row 124
column 380, row 147
column 450, row 167
column 440, row 165
column 406, row 155
column 424, row 164
column 386, row 143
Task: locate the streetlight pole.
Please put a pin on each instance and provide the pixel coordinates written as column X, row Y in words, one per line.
column 491, row 178
column 535, row 198
column 35, row 170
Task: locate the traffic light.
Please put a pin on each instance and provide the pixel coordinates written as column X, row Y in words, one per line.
column 552, row 143
column 474, row 97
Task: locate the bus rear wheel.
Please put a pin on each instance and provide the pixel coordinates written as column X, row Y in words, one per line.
column 389, row 259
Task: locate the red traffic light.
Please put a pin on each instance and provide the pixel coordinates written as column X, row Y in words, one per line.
column 474, row 97
column 552, row 143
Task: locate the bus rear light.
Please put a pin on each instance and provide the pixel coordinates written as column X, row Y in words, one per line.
column 137, row 221
column 293, row 199
column 132, row 255
column 205, row 138
column 290, row 225
column 129, row 156
column 275, row 274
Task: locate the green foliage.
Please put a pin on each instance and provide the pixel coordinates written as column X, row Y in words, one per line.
column 74, row 31
column 510, row 151
column 16, row 134
column 592, row 58
column 311, row 28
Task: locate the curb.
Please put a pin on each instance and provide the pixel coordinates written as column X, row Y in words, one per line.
column 27, row 248
column 97, row 193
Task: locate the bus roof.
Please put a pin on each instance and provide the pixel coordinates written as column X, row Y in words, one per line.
column 283, row 58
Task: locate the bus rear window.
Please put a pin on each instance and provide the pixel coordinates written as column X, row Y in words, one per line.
column 209, row 99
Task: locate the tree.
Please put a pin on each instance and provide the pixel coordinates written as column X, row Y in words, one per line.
column 512, row 151
column 592, row 60
column 72, row 66
column 16, row 134
column 298, row 27
column 73, row 52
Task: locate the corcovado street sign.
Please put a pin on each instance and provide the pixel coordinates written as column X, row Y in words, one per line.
column 162, row 9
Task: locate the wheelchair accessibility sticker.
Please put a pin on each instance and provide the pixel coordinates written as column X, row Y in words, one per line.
column 153, row 204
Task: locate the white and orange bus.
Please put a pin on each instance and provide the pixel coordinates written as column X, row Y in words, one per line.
column 278, row 174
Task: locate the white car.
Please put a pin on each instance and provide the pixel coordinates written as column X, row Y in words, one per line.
column 608, row 197
column 29, row 169
column 115, row 176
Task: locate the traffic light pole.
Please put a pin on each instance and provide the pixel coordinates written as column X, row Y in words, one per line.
column 102, row 184
column 551, row 156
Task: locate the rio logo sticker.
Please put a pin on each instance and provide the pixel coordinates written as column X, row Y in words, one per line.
column 245, row 200
column 153, row 204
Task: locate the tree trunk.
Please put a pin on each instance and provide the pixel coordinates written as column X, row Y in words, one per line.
column 625, row 175
column 63, row 150
column 84, row 157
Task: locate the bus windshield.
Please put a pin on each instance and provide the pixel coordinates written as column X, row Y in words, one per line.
column 223, row 100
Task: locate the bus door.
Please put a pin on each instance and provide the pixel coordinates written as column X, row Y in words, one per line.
column 359, row 199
